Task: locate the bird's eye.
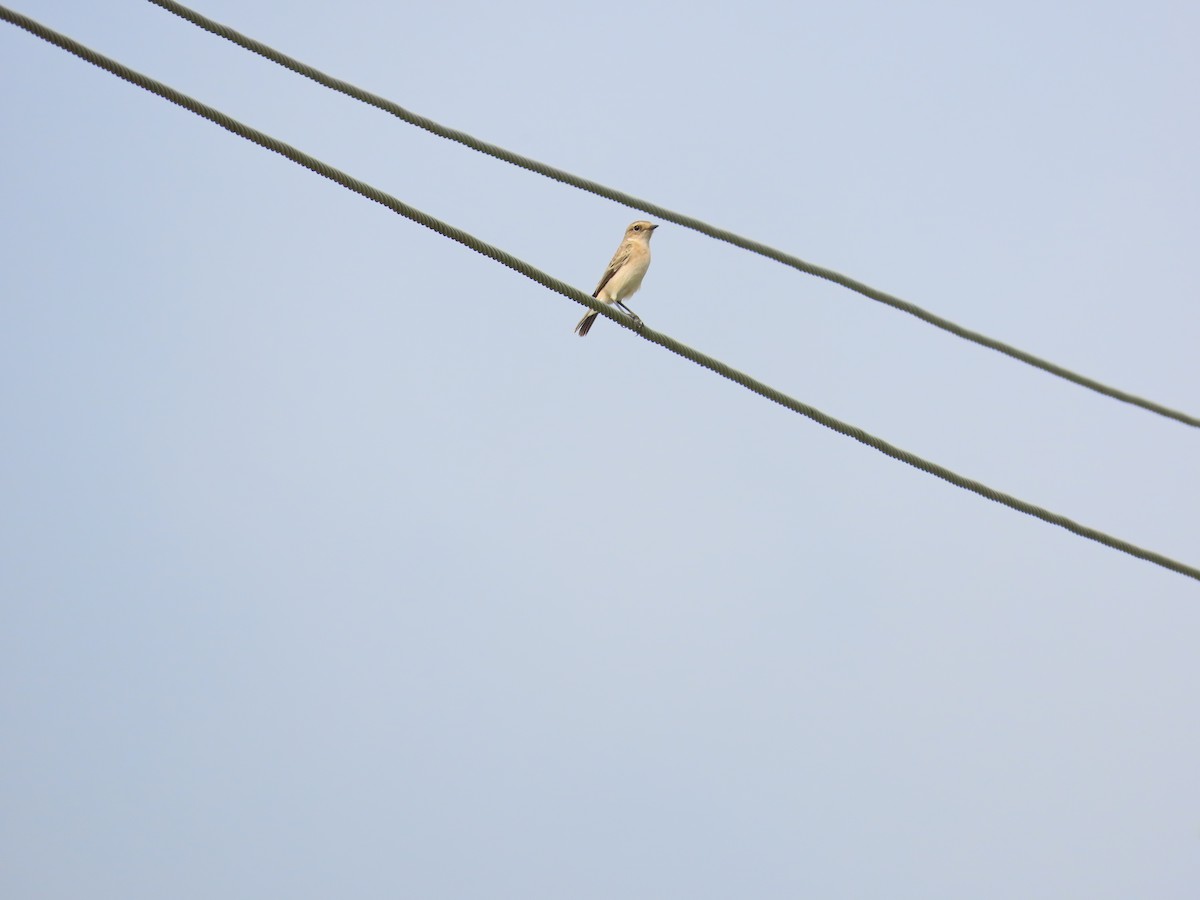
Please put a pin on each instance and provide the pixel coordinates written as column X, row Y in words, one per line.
column 637, row 227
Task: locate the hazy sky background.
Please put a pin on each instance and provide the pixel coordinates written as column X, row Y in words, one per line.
column 332, row 564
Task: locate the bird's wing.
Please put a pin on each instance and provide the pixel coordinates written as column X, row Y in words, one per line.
column 619, row 259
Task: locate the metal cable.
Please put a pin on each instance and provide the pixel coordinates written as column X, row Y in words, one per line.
column 566, row 290
column 653, row 209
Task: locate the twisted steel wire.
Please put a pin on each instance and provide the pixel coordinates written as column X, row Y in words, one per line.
column 720, row 234
column 561, row 287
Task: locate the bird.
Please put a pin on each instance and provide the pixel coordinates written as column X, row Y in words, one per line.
column 624, row 274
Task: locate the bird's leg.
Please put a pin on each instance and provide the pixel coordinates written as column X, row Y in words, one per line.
column 632, row 314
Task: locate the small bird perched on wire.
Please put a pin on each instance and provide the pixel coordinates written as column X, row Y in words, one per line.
column 624, row 274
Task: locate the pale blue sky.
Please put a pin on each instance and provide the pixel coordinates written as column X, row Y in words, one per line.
column 333, row 564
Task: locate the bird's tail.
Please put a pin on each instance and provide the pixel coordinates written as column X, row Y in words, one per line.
column 585, row 324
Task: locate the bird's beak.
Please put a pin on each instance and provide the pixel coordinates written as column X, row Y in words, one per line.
column 652, row 227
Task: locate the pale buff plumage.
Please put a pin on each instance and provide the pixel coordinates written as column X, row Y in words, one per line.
column 624, row 274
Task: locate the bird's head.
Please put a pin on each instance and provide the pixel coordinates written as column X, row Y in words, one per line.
column 640, row 230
